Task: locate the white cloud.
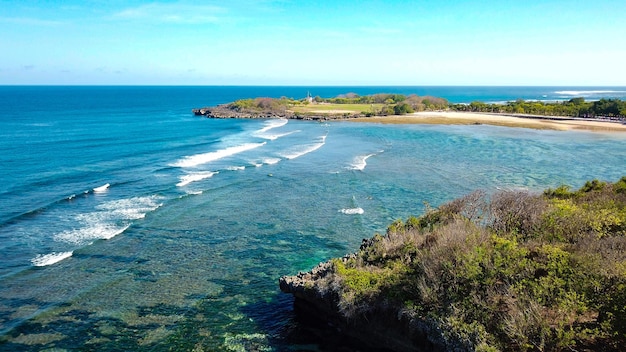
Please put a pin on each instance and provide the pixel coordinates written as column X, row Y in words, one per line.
column 29, row 21
column 172, row 13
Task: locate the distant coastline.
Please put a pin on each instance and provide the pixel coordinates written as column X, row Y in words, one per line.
column 399, row 109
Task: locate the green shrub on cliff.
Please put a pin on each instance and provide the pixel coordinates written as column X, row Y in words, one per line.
column 511, row 271
column 270, row 105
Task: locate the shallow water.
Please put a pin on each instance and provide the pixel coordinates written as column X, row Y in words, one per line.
column 184, row 247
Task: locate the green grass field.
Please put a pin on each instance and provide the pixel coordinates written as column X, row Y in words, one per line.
column 336, row 108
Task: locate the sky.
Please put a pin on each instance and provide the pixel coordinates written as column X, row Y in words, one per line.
column 324, row 42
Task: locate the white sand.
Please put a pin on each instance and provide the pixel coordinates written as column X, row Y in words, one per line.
column 465, row 118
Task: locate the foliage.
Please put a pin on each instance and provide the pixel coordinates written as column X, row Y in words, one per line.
column 576, row 107
column 271, row 105
column 397, row 104
column 510, row 271
column 393, row 104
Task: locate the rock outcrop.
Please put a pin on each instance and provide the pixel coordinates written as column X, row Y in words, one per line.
column 226, row 111
column 383, row 327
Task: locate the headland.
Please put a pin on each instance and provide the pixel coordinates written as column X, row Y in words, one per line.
column 510, row 271
column 602, row 116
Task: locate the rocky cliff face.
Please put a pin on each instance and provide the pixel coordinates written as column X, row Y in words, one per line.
column 226, row 112
column 383, row 325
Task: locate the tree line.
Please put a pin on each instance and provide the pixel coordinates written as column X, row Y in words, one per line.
column 576, row 107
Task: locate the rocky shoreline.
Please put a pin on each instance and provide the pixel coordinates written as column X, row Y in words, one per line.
column 226, row 111
column 383, row 327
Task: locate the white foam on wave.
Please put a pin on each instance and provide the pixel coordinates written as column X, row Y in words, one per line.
column 131, row 208
column 273, row 137
column 49, row 259
column 588, row 92
column 89, row 234
column 271, row 124
column 271, row 161
column 199, row 176
column 304, row 149
column 235, row 168
column 352, row 211
column 360, row 162
column 109, row 220
column 101, row 189
column 204, row 158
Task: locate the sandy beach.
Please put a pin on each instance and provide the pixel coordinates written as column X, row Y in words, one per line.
column 469, row 118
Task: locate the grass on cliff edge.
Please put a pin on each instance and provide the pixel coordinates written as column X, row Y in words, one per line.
column 511, row 271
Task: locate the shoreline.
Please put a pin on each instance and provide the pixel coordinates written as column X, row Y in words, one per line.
column 506, row 120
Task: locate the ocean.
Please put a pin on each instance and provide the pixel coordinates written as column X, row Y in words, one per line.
column 127, row 223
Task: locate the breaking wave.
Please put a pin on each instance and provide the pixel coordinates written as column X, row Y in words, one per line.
column 109, row 220
column 360, row 162
column 204, row 158
column 304, row 149
column 588, row 92
column 102, row 188
column 49, row 259
column 187, row 179
column 352, row 211
column 271, row 124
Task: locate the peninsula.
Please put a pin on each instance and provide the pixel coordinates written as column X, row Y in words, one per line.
column 604, row 115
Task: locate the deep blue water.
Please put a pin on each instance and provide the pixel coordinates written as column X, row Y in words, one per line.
column 184, row 247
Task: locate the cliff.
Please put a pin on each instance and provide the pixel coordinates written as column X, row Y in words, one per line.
column 317, row 296
column 231, row 111
column 509, row 271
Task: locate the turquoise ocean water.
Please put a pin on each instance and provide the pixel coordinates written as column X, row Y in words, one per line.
column 127, row 223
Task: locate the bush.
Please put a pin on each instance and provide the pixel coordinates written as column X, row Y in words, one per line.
column 515, row 271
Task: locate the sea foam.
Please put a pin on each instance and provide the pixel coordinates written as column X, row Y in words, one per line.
column 204, row 158
column 304, row 149
column 352, row 211
column 102, row 188
column 587, row 92
column 49, row 259
column 360, row 162
column 271, row 161
column 109, row 220
column 273, row 137
column 187, row 179
column 271, row 124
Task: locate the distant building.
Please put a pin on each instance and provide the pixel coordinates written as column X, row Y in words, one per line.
column 309, row 98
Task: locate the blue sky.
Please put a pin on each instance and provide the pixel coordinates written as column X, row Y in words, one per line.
column 264, row 42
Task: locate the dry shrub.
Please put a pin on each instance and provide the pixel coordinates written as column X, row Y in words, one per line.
column 446, row 244
column 516, row 212
column 472, row 206
column 525, row 326
column 606, row 255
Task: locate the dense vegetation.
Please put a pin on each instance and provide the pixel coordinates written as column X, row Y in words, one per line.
column 262, row 104
column 393, row 104
column 577, row 107
column 370, row 105
column 511, row 271
column 398, row 104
